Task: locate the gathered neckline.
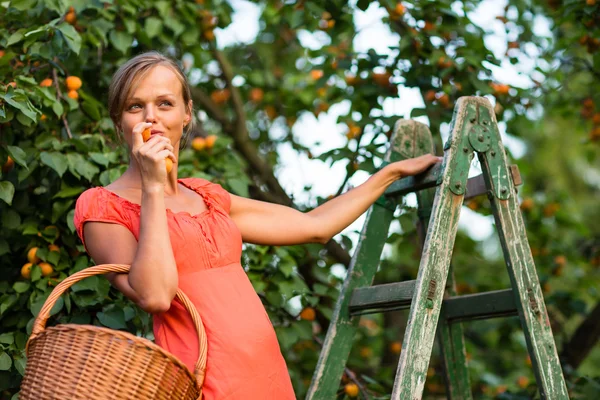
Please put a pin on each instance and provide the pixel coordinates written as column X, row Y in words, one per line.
column 137, row 206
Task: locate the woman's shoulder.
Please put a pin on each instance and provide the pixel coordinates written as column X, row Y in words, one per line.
column 209, row 189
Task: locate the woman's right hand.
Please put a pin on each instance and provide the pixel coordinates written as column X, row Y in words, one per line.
column 150, row 156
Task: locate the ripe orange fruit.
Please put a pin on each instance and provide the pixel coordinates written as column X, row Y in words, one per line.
column 444, row 100
column 13, row 84
column 396, row 347
column 209, row 35
column 429, row 26
column 43, row 117
column 198, row 143
column 169, row 163
column 46, row 268
column 271, row 112
column 351, row 80
column 146, row 133
column 2, row 53
column 316, row 74
column 73, row 82
column 560, row 260
column 351, row 389
column 527, row 204
column 46, row 82
column 308, row 314
column 382, row 79
column 523, row 382
column 53, row 247
column 73, row 94
column 256, row 95
column 400, row 9
column 210, row 141
column 551, row 209
column 500, row 89
column 430, row 95
column 220, row 96
column 71, row 18
column 26, row 270
column 366, row 352
column 8, row 165
column 353, row 131
column 32, row 257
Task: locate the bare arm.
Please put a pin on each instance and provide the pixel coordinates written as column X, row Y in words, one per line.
column 152, row 280
column 273, row 224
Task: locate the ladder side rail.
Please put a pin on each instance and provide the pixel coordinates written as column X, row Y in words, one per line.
column 435, row 261
column 520, row 265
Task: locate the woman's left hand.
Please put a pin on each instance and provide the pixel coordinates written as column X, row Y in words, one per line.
column 414, row 166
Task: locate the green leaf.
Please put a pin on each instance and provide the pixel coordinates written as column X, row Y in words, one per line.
column 5, row 362
column 153, row 27
column 239, row 187
column 21, row 287
column 23, row 5
column 15, row 37
column 56, row 161
column 121, row 41
column 71, row 37
column 11, row 219
column 7, row 191
column 80, row 166
column 58, row 108
column 59, row 208
column 17, row 154
column 114, row 319
column 20, row 366
column 20, row 101
column 99, row 158
column 67, row 192
column 59, row 6
column 7, row 338
column 91, row 109
column 70, row 222
column 4, row 247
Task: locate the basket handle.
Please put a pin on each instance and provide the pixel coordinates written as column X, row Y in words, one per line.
column 40, row 322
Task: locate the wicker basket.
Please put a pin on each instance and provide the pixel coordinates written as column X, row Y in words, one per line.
column 69, row 361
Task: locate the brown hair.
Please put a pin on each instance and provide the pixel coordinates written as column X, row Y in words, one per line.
column 129, row 74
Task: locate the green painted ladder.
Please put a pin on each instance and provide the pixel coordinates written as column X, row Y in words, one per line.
column 474, row 130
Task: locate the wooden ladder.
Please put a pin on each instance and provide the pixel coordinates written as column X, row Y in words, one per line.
column 473, row 130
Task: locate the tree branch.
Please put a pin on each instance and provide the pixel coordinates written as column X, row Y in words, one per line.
column 258, row 167
column 583, row 340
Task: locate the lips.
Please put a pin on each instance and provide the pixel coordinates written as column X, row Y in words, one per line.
column 156, row 132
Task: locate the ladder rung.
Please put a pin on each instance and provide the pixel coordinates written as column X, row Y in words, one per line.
column 380, row 298
column 475, row 185
column 411, row 184
column 398, row 296
column 497, row 303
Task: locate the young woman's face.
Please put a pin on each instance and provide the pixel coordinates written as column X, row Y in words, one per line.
column 157, row 99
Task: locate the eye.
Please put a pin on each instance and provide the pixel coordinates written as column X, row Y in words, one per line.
column 167, row 102
column 131, row 107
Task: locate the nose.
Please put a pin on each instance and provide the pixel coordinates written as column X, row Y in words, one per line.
column 150, row 114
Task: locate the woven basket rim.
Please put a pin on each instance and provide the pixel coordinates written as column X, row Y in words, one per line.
column 138, row 341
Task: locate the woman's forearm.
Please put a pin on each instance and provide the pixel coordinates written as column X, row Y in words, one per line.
column 336, row 214
column 153, row 273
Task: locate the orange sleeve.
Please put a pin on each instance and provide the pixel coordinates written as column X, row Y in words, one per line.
column 95, row 205
column 215, row 192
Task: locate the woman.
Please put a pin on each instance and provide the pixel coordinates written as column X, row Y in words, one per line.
column 188, row 233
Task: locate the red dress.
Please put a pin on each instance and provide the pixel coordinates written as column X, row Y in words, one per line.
column 244, row 358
